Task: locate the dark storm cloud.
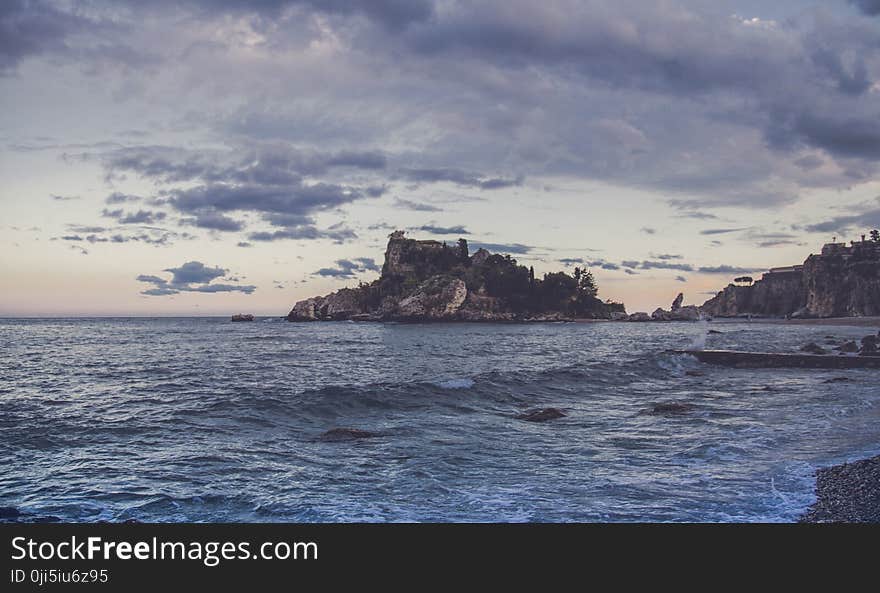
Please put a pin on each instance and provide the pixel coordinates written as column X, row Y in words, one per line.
column 139, row 217
column 869, row 7
column 214, row 221
column 393, row 14
column 678, row 97
column 266, row 180
column 194, row 272
column 274, row 164
column 444, row 230
column 33, row 27
column 193, row 276
column 459, row 177
column 349, row 268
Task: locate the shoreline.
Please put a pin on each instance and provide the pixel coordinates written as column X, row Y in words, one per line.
column 846, row 493
column 838, row 321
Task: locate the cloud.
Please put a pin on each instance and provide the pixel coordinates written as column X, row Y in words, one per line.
column 515, row 248
column 214, row 221
column 58, row 198
column 664, row 265
column 648, row 230
column 418, row 207
column 305, row 231
column 869, row 7
column 667, row 256
column 459, row 177
column 121, row 198
column 726, row 269
column 139, row 217
column 349, row 268
column 868, row 218
column 441, row 230
column 192, row 276
column 720, row 231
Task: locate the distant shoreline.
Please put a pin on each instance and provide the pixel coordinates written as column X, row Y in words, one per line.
column 846, row 321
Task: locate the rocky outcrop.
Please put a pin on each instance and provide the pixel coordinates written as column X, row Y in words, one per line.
column 439, row 297
column 678, row 312
column 842, row 281
column 541, row 415
column 432, row 281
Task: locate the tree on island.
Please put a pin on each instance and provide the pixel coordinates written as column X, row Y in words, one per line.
column 744, row 280
column 875, row 236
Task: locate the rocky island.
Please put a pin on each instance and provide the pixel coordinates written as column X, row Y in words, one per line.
column 433, row 281
column 841, row 281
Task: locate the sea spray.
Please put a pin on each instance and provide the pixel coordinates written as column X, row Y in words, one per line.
column 699, row 342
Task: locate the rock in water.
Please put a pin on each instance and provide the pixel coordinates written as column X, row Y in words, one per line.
column 541, row 415
column 336, row 435
column 660, row 314
column 9, row 513
column 813, row 348
column 848, row 346
column 686, row 313
column 432, row 281
column 676, row 304
column 639, row 316
column 670, row 408
column 242, row 317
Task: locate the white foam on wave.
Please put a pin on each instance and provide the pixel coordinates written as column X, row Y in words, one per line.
column 463, row 383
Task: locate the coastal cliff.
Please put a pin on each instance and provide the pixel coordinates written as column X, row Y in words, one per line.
column 842, row 281
column 432, row 281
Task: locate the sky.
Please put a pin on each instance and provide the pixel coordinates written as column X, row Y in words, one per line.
column 210, row 157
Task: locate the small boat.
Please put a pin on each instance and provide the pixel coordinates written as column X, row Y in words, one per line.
column 242, row 317
column 758, row 360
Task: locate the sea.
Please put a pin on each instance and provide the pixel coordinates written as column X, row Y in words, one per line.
column 204, row 420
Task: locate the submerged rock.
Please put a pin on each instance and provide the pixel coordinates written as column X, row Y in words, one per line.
column 541, row 415
column 715, row 331
column 9, row 513
column 670, row 408
column 813, row 348
column 838, row 380
column 336, row 435
column 849, row 346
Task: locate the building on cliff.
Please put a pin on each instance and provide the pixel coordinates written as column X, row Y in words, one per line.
column 843, row 280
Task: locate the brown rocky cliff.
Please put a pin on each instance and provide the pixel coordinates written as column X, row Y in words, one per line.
column 843, row 281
